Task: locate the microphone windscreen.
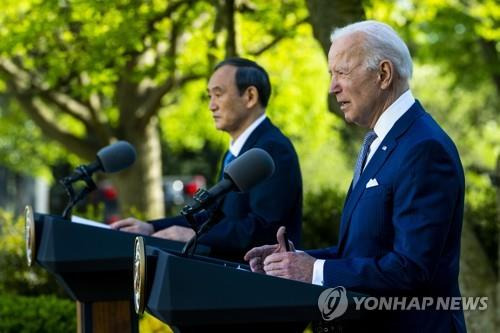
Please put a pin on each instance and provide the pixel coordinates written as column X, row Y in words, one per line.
column 118, row 156
column 249, row 169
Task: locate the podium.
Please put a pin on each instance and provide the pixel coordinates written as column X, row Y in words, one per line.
column 93, row 265
column 194, row 294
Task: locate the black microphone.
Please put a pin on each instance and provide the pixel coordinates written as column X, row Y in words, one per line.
column 246, row 171
column 113, row 158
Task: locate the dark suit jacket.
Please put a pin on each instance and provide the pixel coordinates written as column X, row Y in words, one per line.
column 402, row 237
column 252, row 218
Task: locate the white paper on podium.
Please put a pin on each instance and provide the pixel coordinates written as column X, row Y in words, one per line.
column 81, row 220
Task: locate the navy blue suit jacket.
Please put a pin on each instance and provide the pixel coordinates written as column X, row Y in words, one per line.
column 253, row 218
column 402, row 237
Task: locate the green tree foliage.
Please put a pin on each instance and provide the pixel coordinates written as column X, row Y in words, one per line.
column 24, row 149
column 88, row 73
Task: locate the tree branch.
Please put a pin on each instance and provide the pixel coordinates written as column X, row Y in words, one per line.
column 125, row 87
column 492, row 58
column 152, row 105
column 218, row 24
column 167, row 12
column 148, row 100
column 172, row 51
column 99, row 120
column 35, row 109
column 134, row 54
column 66, row 105
column 28, row 81
column 229, row 9
column 102, row 127
column 35, row 100
column 126, row 90
column 287, row 33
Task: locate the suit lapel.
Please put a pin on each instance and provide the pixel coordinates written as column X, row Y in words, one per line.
column 255, row 135
column 251, row 141
column 377, row 161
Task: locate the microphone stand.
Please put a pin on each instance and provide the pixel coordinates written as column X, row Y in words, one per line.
column 214, row 218
column 67, row 183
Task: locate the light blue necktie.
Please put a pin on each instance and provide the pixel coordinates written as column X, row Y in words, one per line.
column 363, row 153
column 228, row 158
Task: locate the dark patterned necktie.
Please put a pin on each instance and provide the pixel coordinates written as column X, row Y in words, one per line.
column 363, row 153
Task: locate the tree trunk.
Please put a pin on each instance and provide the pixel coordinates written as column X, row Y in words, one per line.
column 492, row 58
column 325, row 16
column 229, row 12
column 496, row 182
column 477, row 279
column 328, row 15
column 140, row 187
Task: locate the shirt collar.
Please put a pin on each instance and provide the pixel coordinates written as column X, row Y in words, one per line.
column 235, row 146
column 389, row 117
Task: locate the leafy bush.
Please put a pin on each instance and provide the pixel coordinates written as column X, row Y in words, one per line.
column 15, row 276
column 321, row 218
column 481, row 212
column 36, row 314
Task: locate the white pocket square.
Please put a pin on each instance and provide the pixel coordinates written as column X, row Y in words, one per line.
column 372, row 183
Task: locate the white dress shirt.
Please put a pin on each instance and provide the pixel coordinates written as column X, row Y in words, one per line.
column 235, row 147
column 383, row 125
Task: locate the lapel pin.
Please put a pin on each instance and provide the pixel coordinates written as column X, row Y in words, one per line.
column 384, row 148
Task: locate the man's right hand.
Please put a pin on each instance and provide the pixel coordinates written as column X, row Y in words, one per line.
column 134, row 226
column 256, row 256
